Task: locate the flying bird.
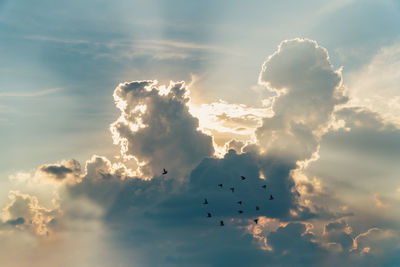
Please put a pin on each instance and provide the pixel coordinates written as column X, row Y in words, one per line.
column 209, row 215
column 220, row 185
column 240, row 211
column 271, row 197
column 164, row 171
column 243, row 178
column 239, row 202
column 205, row 201
column 256, row 221
column 264, row 186
column 221, row 223
column 257, row 208
column 232, row 189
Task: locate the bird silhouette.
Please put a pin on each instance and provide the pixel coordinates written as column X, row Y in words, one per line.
column 209, row 215
column 240, row 202
column 257, row 208
column 232, row 189
column 164, row 171
column 221, row 223
column 264, row 186
column 256, row 221
column 205, row 201
column 243, row 178
column 220, row 185
column 240, row 211
column 271, row 197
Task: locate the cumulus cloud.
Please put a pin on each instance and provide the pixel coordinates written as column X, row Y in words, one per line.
column 308, row 89
column 24, row 212
column 143, row 213
column 168, row 206
column 156, row 128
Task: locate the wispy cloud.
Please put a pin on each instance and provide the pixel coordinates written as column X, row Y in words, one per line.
column 126, row 48
column 30, row 94
column 56, row 39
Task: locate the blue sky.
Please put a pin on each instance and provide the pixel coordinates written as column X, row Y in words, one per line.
column 62, row 62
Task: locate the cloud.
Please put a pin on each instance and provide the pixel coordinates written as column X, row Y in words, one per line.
column 293, row 243
column 17, row 221
column 339, row 233
column 171, row 211
column 227, row 121
column 359, row 160
column 380, row 246
column 62, row 170
column 25, row 212
column 125, row 203
column 308, row 89
column 30, row 94
column 157, row 129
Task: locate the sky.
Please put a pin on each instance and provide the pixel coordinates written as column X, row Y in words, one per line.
column 98, row 97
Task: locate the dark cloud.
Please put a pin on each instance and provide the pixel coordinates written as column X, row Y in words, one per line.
column 58, row 171
column 235, row 145
column 293, row 244
column 341, row 225
column 62, row 170
column 17, row 221
column 138, row 211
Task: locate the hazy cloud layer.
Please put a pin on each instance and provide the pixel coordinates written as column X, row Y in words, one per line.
column 376, row 85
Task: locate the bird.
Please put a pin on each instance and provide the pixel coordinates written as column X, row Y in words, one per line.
column 243, row 178
column 271, row 197
column 256, row 221
column 221, row 223
column 209, row 215
column 164, row 171
column 240, row 211
column 205, row 201
column 239, row 202
column 264, row 186
column 257, row 208
column 220, row 185
column 232, row 189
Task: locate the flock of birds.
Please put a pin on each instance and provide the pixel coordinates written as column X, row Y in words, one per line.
column 240, row 202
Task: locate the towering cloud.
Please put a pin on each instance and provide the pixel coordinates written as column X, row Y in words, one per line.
column 308, row 89
column 156, row 128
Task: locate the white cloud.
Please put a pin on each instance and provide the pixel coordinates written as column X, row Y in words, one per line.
column 308, row 89
column 156, row 128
